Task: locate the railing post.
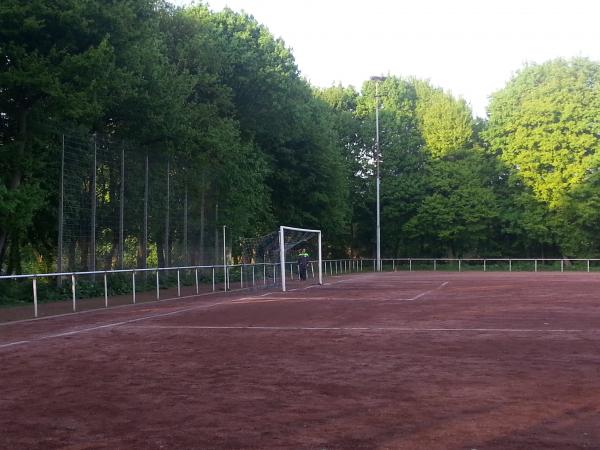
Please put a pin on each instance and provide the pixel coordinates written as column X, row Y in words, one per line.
column 73, row 292
column 535, row 265
column 241, row 276
column 264, row 274
column 434, row 265
column 588, row 265
column 484, row 266
column 35, row 299
column 459, row 266
column 562, row 265
column 253, row 278
column 196, row 275
column 213, row 279
column 133, row 285
column 510, row 265
column 157, row 285
column 410, row 265
column 178, row 285
column 393, row 265
column 105, row 291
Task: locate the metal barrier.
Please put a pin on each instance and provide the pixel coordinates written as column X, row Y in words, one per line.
column 340, row 266
column 266, row 274
column 245, row 273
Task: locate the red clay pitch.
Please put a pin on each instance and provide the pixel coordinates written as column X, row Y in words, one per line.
column 423, row 360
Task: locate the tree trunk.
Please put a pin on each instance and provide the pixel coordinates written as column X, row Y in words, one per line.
column 14, row 258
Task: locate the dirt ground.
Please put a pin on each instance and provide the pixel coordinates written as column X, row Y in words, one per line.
column 421, row 360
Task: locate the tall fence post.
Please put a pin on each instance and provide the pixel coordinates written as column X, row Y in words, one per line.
column 122, row 211
column 145, row 236
column 93, row 218
column 166, row 249
column 185, row 227
column 61, row 213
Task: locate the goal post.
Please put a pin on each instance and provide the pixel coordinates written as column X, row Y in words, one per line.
column 283, row 250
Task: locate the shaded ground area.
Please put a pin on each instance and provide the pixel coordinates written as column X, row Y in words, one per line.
column 395, row 360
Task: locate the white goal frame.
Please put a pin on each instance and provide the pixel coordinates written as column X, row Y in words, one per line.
column 282, row 252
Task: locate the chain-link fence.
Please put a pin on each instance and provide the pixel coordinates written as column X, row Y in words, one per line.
column 125, row 207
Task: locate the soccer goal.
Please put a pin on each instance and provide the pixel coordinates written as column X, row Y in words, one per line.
column 294, row 253
column 289, row 254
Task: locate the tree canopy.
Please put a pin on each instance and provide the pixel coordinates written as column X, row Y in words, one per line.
column 255, row 145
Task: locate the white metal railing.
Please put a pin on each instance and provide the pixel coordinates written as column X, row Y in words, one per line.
column 265, row 274
column 339, row 266
column 249, row 275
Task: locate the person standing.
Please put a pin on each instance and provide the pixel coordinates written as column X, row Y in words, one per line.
column 302, row 263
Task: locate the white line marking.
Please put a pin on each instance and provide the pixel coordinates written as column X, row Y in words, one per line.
column 13, row 343
column 115, row 324
column 127, row 305
column 125, row 322
column 399, row 329
column 422, row 294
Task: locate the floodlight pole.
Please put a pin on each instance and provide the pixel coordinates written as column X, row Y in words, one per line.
column 377, row 161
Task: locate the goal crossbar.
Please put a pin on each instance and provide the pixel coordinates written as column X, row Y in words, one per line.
column 282, row 251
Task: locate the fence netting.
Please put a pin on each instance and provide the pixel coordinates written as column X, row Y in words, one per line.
column 124, row 207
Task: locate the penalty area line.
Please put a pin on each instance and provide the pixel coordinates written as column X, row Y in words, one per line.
column 423, row 294
column 375, row 329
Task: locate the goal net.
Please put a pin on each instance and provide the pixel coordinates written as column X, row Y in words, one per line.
column 290, row 256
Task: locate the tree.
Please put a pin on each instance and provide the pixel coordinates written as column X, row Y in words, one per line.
column 53, row 67
column 543, row 127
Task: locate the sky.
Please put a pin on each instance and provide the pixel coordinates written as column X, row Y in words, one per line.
column 470, row 48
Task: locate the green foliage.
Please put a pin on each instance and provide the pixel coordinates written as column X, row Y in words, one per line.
column 543, row 127
column 220, row 97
